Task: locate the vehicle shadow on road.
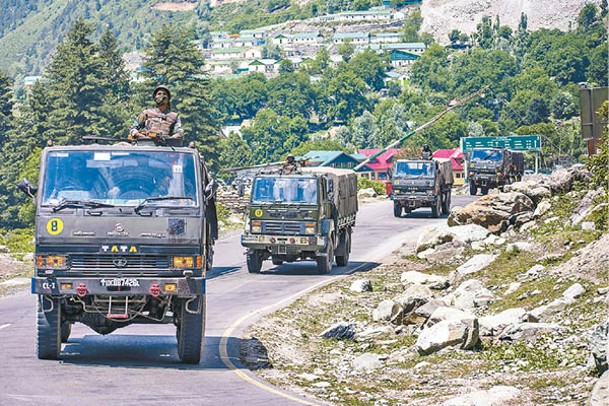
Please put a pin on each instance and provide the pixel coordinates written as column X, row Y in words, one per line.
column 423, row 214
column 306, row 268
column 222, row 270
column 139, row 351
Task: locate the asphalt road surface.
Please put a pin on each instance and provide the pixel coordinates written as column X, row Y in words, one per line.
column 139, row 364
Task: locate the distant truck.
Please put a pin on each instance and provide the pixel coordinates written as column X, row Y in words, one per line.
column 304, row 216
column 124, row 234
column 490, row 168
column 422, row 183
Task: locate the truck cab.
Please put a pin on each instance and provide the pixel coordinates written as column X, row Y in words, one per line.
column 124, row 234
column 304, row 216
column 420, row 183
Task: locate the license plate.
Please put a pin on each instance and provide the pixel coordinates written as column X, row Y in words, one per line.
column 120, row 282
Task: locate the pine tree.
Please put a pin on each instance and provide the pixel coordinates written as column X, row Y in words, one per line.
column 173, row 59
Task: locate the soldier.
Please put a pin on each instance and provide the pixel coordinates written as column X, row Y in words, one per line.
column 290, row 166
column 426, row 152
column 158, row 121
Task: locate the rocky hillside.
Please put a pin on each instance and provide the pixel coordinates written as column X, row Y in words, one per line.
column 440, row 17
column 508, row 301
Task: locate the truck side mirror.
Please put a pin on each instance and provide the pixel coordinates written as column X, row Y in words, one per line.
column 27, row 187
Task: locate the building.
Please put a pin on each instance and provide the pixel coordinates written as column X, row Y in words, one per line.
column 334, row 159
column 381, row 165
column 457, row 158
column 307, row 38
column 354, row 38
column 385, row 37
column 402, row 58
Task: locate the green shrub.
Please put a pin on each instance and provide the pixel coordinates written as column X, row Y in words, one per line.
column 377, row 185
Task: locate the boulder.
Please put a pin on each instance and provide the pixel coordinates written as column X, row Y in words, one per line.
column 600, row 392
column 469, row 233
column 574, row 292
column 585, row 206
column 469, row 295
column 475, row 264
column 340, row 331
column 431, row 281
column 388, row 310
column 432, row 236
column 495, row 324
column 495, row 396
column 447, row 313
column 561, row 180
column 545, row 312
column 425, row 311
column 597, row 344
column 462, row 333
column 530, row 188
column 366, row 193
column 445, row 254
column 361, row 285
column 415, row 291
column 366, row 363
column 493, row 211
column 542, row 208
column 527, row 330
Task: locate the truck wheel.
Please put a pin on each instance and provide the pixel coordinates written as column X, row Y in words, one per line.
column 209, row 258
column 343, row 260
column 49, row 328
column 436, row 208
column 191, row 330
column 324, row 264
column 277, row 262
column 472, row 188
column 397, row 210
column 484, row 190
column 254, row 261
column 446, row 203
column 66, row 330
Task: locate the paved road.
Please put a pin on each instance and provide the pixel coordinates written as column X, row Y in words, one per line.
column 139, row 364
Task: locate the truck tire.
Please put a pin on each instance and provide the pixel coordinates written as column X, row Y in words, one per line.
column 484, row 190
column 191, row 331
column 48, row 344
column 324, row 264
column 254, row 261
column 66, row 330
column 446, row 203
column 472, row 188
column 397, row 210
column 343, row 260
column 436, row 208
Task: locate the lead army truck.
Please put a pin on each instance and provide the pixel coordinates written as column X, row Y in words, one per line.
column 422, row 183
column 124, row 234
column 491, row 168
column 304, row 216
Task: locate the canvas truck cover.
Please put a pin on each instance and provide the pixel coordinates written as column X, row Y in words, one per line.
column 345, row 188
column 445, row 170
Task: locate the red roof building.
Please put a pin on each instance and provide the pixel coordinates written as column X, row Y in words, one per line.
column 382, row 164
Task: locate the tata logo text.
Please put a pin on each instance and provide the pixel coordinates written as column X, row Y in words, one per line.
column 119, row 249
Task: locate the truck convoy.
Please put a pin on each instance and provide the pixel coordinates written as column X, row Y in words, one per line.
column 490, row 168
column 124, row 234
column 308, row 215
column 422, row 183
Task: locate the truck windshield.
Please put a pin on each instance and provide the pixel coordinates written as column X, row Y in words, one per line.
column 410, row 169
column 119, row 177
column 297, row 190
column 487, row 154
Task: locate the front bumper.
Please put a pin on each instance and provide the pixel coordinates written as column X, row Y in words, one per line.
column 180, row 287
column 415, row 201
column 283, row 244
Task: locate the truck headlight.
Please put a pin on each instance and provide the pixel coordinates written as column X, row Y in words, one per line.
column 256, row 226
column 310, row 228
column 52, row 261
column 183, row 262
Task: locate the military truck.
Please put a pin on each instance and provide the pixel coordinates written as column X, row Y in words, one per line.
column 422, row 183
column 309, row 215
column 490, row 168
column 124, row 234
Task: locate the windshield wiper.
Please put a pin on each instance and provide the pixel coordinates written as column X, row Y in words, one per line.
column 80, row 204
column 147, row 200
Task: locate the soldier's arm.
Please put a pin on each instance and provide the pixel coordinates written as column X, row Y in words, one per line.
column 138, row 125
column 178, row 131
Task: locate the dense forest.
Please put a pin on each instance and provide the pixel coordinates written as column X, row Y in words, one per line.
column 531, row 78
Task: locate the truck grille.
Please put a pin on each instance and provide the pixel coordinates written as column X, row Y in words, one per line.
column 128, row 265
column 277, row 227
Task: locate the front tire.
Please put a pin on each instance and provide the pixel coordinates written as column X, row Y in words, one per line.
column 484, row 191
column 472, row 188
column 66, row 330
column 191, row 330
column 254, row 261
column 48, row 344
column 436, row 208
column 397, row 210
column 324, row 263
column 446, row 203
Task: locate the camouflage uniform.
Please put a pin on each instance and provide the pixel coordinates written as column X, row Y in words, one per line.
column 290, row 167
column 161, row 123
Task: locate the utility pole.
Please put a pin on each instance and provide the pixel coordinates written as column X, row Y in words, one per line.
column 422, row 127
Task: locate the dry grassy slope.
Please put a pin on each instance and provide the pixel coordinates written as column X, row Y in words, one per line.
column 442, row 16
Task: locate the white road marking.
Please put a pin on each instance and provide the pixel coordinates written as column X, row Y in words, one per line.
column 4, row 326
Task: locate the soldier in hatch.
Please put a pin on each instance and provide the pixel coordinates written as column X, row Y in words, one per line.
column 158, row 121
column 290, row 166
